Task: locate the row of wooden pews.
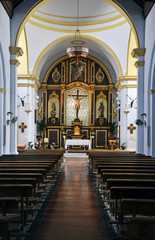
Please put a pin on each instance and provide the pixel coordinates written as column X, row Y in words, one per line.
column 126, row 184
column 25, row 183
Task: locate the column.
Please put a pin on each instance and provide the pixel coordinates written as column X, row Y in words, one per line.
column 62, row 117
column 2, row 91
column 139, row 54
column 92, row 106
column 15, row 52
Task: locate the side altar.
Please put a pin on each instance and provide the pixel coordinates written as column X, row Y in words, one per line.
column 77, row 102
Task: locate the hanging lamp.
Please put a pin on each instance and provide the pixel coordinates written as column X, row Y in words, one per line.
column 77, row 50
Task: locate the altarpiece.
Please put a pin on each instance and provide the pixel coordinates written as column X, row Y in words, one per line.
column 80, row 90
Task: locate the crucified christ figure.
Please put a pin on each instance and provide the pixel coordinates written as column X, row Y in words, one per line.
column 77, row 98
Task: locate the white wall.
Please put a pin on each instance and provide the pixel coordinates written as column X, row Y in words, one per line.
column 149, row 103
column 4, row 78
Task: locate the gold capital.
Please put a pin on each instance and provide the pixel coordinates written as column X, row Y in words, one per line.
column 16, row 51
column 152, row 91
column 139, row 64
column 137, row 52
column 14, row 62
column 2, row 90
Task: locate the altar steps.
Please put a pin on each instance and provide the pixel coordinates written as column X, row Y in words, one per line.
column 75, row 155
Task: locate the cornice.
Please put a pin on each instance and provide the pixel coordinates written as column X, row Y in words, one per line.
column 127, row 78
column 16, row 51
column 139, row 64
column 26, row 85
column 2, row 90
column 30, row 77
column 128, row 86
column 124, row 79
column 152, row 91
column 14, row 62
column 137, row 52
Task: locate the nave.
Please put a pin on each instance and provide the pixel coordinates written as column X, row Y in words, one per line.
column 73, row 211
column 108, row 195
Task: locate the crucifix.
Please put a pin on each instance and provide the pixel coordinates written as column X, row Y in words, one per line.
column 77, row 98
column 131, row 128
column 22, row 126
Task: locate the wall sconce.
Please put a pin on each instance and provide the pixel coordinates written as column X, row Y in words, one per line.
column 126, row 109
column 27, row 109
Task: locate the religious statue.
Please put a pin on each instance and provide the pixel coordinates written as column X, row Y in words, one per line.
column 53, row 110
column 101, row 110
column 77, row 98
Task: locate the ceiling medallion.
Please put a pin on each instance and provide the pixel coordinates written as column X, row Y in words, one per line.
column 77, row 50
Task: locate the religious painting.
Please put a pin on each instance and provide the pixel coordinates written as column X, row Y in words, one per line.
column 78, row 71
column 99, row 76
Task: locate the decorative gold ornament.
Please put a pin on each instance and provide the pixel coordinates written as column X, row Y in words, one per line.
column 99, row 76
column 56, row 75
column 53, row 120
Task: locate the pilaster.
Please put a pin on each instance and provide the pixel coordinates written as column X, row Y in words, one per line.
column 139, row 53
column 127, row 88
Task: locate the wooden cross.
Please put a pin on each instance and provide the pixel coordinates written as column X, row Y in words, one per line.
column 22, row 126
column 131, row 128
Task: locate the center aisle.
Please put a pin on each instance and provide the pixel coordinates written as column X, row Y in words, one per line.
column 73, row 212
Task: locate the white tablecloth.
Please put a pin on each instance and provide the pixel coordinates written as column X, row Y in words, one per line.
column 77, row 142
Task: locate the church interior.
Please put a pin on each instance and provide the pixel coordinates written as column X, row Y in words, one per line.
column 77, row 122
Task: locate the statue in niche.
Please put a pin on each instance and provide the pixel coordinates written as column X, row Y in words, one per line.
column 53, row 109
column 78, row 72
column 101, row 110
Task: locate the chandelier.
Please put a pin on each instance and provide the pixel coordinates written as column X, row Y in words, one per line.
column 77, row 50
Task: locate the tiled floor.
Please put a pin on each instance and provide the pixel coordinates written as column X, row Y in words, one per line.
column 73, row 212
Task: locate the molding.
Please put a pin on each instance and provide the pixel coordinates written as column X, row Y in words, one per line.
column 124, row 79
column 63, row 23
column 30, row 77
column 73, row 30
column 14, row 62
column 138, row 52
column 128, row 86
column 152, row 91
column 2, row 90
column 139, row 64
column 26, row 85
column 51, row 15
column 16, row 51
column 127, row 78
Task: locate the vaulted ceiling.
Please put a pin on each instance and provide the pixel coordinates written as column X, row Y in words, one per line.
column 9, row 5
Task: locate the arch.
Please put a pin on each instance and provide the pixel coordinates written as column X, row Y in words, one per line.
column 66, row 57
column 122, row 10
column 113, row 3
column 70, row 37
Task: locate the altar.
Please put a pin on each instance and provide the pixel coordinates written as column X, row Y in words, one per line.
column 77, row 142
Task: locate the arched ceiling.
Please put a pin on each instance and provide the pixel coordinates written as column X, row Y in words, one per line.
column 51, row 27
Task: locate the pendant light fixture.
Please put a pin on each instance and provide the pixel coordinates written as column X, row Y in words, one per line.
column 77, row 50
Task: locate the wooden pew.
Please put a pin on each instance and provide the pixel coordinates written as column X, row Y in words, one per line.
column 109, row 175
column 119, row 192
column 129, row 182
column 17, row 190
